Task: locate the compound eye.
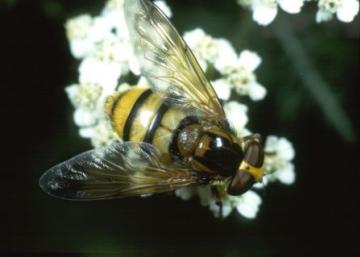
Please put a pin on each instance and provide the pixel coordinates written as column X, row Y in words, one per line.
column 241, row 182
column 254, row 154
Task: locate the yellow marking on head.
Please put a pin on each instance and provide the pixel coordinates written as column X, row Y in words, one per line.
column 257, row 173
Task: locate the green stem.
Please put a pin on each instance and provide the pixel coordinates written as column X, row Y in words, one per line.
column 313, row 81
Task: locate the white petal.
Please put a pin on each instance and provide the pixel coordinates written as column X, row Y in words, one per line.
column 245, row 132
column 348, row 10
column 226, row 210
column 323, row 15
column 115, row 16
column 102, row 133
column 86, row 132
column 97, row 72
column 164, row 7
column 248, row 205
column 194, row 36
column 134, row 65
column 291, row 6
column 256, row 91
column 287, row 175
column 84, row 118
column 215, row 208
column 81, row 48
column 123, row 87
column 72, row 92
column 236, row 114
column 222, row 89
column 271, row 143
column 78, row 27
column 204, row 47
column 285, row 149
column 264, row 14
column 114, row 5
column 143, row 82
column 227, row 55
column 202, row 63
column 250, row 60
column 185, row 193
column 205, row 195
column 100, row 29
column 259, row 185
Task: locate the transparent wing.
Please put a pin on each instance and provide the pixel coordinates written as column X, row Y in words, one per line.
column 167, row 62
column 120, row 170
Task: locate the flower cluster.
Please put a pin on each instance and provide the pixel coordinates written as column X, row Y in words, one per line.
column 102, row 46
column 236, row 70
column 265, row 11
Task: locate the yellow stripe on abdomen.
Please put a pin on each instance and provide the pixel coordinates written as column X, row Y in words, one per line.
column 119, row 107
column 139, row 115
column 144, row 117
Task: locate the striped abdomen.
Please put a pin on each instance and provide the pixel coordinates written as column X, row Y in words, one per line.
column 140, row 115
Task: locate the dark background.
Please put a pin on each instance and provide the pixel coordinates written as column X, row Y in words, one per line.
column 316, row 216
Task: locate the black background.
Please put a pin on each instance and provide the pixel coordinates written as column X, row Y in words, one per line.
column 316, row 216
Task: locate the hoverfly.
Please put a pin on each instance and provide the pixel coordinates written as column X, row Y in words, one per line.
column 174, row 135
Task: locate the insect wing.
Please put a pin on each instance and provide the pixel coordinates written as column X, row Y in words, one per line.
column 167, row 62
column 117, row 171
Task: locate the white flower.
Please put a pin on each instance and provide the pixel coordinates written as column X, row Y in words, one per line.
column 110, row 49
column 84, row 118
column 265, row 11
column 345, row 10
column 164, row 7
column 224, row 211
column 100, row 29
column 113, row 13
column 227, row 55
column 114, row 4
column 248, row 204
column 77, row 31
column 94, row 71
column 205, row 48
column 222, row 89
column 236, row 114
column 84, row 95
column 185, row 193
column 85, row 98
column 100, row 134
column 278, row 160
column 291, row 6
column 238, row 71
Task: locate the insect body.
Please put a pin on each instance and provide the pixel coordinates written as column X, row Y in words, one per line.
column 175, row 134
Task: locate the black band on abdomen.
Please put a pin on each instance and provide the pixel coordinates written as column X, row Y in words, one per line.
column 134, row 112
column 149, row 136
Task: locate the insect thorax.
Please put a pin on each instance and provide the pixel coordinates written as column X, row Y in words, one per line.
column 210, row 149
column 139, row 115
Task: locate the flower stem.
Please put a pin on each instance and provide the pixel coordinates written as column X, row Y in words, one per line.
column 313, row 81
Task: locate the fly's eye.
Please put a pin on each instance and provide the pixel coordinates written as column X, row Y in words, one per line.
column 254, row 154
column 241, row 182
